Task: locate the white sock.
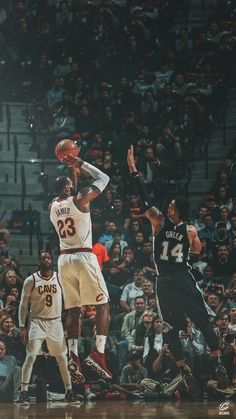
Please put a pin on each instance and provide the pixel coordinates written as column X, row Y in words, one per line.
column 100, row 343
column 73, row 345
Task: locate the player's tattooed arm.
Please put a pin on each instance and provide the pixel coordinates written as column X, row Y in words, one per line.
column 195, row 242
column 85, row 196
column 155, row 217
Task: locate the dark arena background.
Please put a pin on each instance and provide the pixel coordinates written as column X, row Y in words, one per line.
column 107, row 74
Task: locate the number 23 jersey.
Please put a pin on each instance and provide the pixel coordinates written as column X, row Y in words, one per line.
column 171, row 247
column 72, row 226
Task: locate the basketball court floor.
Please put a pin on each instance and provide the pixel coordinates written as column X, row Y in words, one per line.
column 121, row 410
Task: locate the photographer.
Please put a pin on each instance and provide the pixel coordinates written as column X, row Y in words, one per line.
column 163, row 376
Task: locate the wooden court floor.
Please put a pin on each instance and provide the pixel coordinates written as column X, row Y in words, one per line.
column 122, row 410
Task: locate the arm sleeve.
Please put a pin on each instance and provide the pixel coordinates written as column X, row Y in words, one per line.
column 100, row 179
column 24, row 302
column 141, row 190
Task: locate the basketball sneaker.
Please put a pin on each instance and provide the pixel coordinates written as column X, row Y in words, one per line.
column 70, row 397
column 24, row 398
column 221, row 376
column 75, row 369
column 96, row 361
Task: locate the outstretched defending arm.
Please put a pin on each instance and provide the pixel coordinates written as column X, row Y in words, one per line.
column 151, row 212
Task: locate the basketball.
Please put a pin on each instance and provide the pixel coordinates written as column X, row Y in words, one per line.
column 64, row 148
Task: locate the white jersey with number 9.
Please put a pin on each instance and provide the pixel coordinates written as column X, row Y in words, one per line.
column 72, row 226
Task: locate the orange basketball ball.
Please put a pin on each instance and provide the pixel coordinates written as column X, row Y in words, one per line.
column 64, row 148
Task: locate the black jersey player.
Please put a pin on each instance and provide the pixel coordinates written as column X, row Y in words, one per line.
column 177, row 294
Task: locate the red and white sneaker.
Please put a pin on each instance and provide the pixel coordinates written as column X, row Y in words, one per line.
column 97, row 362
column 75, row 369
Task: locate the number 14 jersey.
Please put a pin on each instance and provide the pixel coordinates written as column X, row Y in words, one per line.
column 72, row 226
column 172, row 247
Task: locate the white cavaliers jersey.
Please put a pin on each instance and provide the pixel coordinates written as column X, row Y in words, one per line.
column 73, row 227
column 46, row 297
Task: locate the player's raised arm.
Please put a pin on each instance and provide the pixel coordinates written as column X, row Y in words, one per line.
column 99, row 183
column 151, row 212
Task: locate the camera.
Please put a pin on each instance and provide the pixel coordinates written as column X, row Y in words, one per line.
column 230, row 339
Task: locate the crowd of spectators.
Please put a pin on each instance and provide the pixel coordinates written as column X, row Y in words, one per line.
column 109, row 74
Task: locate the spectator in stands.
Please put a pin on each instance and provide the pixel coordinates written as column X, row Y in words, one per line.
column 233, row 226
column 63, row 67
column 223, row 264
column 149, row 166
column 152, row 302
column 10, row 375
column 143, row 328
column 137, row 244
column 10, row 334
column 4, row 252
column 131, row 321
column 148, row 289
column 119, row 214
column 212, row 208
column 222, row 179
column 131, row 291
column 3, row 292
column 55, row 94
column 100, row 251
column 208, row 232
column 116, row 239
column 134, row 206
column 145, row 253
column 9, row 276
column 224, row 217
column 222, row 198
column 222, row 236
column 232, row 284
column 214, row 301
column 232, row 321
column 163, row 75
column 199, row 221
column 222, row 328
column 110, row 226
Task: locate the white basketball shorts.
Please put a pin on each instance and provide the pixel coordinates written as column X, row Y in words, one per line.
column 81, row 279
column 49, row 330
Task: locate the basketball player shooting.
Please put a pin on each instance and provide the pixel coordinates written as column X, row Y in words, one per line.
column 81, row 278
column 42, row 291
column 177, row 294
